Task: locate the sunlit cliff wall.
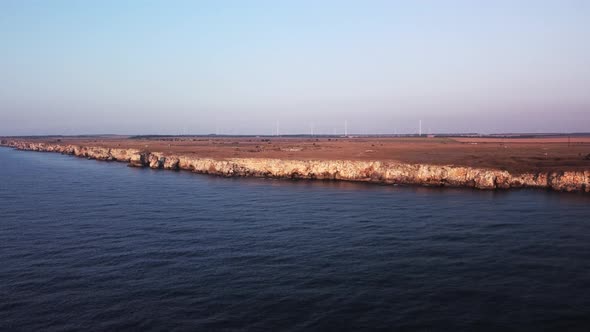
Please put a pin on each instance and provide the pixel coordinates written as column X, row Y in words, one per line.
column 348, row 170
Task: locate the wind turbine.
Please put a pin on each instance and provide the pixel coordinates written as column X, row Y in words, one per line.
column 420, row 130
column 345, row 127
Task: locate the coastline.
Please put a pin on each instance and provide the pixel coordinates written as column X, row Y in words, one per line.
column 383, row 172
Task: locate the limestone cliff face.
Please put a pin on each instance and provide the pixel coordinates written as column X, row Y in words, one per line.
column 365, row 171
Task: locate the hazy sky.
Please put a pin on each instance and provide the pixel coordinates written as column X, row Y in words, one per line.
column 79, row 67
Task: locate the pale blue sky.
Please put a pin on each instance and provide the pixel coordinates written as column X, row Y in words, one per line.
column 133, row 67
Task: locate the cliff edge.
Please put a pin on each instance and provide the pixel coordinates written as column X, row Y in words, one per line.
column 348, row 170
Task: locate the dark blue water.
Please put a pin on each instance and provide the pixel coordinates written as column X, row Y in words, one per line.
column 87, row 245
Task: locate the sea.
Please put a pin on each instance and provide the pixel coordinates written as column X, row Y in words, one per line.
column 90, row 245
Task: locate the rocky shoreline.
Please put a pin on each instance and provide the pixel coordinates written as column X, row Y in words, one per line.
column 346, row 170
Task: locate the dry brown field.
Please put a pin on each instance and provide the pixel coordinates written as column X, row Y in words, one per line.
column 512, row 154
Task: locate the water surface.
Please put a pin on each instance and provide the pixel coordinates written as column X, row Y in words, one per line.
column 88, row 245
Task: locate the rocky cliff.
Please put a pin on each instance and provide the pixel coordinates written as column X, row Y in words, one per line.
column 365, row 171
